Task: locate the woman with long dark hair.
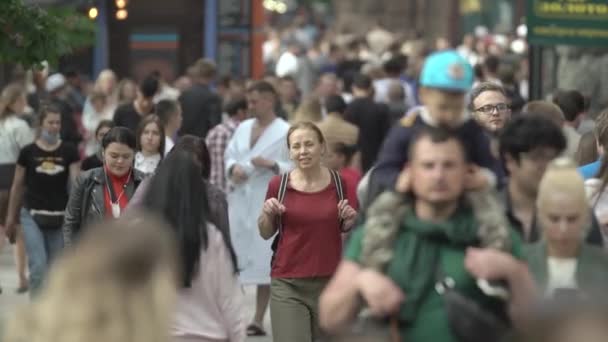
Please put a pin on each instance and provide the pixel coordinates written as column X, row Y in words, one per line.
column 210, row 306
column 104, row 192
column 216, row 198
column 43, row 171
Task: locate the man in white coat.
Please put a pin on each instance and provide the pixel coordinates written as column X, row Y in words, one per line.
column 256, row 152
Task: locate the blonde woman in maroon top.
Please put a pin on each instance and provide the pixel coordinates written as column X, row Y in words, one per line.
column 309, row 247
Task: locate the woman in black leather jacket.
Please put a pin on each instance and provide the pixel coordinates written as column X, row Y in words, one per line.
column 104, row 192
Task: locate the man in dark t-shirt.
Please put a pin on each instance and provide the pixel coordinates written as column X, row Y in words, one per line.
column 129, row 115
column 201, row 105
column 372, row 119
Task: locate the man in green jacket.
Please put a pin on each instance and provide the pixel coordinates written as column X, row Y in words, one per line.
column 391, row 264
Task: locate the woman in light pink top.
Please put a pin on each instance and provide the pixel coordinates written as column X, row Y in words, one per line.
column 210, row 303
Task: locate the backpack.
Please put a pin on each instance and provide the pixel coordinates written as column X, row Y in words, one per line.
column 336, row 179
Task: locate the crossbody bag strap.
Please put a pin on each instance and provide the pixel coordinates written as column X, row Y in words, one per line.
column 339, row 191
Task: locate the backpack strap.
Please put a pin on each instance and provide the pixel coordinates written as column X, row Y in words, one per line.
column 338, row 183
column 339, row 191
column 336, row 179
column 281, row 196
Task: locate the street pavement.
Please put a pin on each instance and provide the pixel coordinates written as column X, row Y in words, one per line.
column 9, row 300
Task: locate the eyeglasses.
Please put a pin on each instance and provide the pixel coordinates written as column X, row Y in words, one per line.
column 489, row 109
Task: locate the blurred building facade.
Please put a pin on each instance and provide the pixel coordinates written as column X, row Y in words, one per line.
column 431, row 19
column 135, row 37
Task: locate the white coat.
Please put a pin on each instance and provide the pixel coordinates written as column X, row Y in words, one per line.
column 245, row 200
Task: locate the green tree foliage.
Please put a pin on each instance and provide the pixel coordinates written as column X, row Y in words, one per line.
column 30, row 35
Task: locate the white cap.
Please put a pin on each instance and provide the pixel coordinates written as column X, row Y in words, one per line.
column 481, row 31
column 55, row 82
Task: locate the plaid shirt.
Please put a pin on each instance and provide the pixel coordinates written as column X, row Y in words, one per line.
column 217, row 141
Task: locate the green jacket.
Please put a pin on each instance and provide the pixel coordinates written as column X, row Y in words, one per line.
column 591, row 270
column 410, row 263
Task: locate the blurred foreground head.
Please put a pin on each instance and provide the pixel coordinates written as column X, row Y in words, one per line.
column 117, row 284
column 567, row 321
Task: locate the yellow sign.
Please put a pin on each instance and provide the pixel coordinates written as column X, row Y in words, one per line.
column 572, row 9
column 570, row 22
column 470, row 6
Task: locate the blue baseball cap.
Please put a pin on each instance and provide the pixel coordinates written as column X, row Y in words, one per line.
column 447, row 70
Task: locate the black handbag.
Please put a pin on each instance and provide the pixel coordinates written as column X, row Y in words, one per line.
column 468, row 321
column 49, row 222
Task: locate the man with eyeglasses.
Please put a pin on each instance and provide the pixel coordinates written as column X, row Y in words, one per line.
column 490, row 107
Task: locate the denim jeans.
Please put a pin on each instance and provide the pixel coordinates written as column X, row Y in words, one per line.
column 42, row 246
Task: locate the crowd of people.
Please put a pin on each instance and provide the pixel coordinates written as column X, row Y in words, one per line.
column 410, row 195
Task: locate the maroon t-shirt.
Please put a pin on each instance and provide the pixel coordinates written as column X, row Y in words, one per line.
column 311, row 240
column 351, row 178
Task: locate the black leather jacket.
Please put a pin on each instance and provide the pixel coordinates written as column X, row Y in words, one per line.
column 86, row 203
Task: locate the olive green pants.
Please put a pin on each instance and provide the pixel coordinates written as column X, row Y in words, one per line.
column 294, row 308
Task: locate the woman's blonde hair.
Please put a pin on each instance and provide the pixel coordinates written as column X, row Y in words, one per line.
column 120, row 89
column 117, row 284
column 9, row 95
column 104, row 75
column 309, row 110
column 112, row 97
column 562, row 176
column 308, row 126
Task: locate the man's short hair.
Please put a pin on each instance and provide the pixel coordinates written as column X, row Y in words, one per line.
column 288, row 78
column 71, row 73
column 437, row 135
column 327, row 76
column 235, row 105
column 203, row 68
column 149, row 86
column 262, row 87
column 492, row 63
column 165, row 110
column 547, row 110
column 362, row 82
column 225, row 81
column 527, row 132
column 482, row 88
column 393, row 66
column 335, row 104
column 571, row 102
